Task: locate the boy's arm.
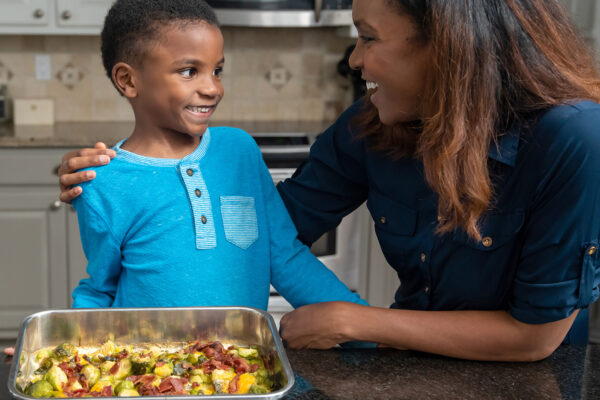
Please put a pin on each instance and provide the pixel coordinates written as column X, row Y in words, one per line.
column 295, row 272
column 103, row 253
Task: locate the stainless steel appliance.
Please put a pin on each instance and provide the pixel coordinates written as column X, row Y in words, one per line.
column 344, row 249
column 283, row 13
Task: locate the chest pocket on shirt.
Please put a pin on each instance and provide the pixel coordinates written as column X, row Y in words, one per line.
column 239, row 220
column 390, row 215
column 496, row 230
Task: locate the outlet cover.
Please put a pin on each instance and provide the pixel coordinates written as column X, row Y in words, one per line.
column 33, row 112
column 43, row 67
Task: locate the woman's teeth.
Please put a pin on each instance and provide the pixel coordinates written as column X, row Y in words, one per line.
column 199, row 109
column 372, row 85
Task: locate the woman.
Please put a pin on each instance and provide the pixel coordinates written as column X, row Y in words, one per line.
column 478, row 159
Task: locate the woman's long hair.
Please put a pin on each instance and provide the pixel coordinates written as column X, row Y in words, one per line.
column 494, row 62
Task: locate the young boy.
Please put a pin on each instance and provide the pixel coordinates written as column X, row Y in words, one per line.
column 185, row 215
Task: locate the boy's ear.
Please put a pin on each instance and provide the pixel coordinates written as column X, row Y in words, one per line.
column 123, row 76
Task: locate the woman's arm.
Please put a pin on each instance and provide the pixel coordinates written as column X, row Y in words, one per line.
column 78, row 159
column 475, row 335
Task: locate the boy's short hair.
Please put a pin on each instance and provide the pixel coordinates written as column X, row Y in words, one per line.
column 131, row 25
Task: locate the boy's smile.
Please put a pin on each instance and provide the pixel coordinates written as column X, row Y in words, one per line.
column 178, row 82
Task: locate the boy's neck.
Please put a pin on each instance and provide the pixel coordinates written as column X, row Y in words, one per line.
column 162, row 144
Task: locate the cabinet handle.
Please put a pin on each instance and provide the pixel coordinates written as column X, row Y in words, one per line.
column 38, row 13
column 55, row 205
column 66, row 15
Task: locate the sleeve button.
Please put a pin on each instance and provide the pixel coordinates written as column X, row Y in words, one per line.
column 592, row 250
column 487, row 241
column 383, row 220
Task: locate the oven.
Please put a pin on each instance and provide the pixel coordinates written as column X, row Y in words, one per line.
column 344, row 249
column 283, row 13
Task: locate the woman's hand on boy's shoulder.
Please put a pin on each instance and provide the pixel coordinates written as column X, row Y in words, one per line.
column 76, row 160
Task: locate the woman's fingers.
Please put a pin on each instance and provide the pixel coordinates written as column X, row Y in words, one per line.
column 76, row 160
column 9, row 351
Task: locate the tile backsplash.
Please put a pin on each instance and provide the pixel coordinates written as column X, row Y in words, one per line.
column 270, row 74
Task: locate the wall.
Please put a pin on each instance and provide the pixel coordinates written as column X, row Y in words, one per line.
column 270, row 74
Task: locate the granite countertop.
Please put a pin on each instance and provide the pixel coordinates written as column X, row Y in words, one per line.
column 572, row 372
column 86, row 134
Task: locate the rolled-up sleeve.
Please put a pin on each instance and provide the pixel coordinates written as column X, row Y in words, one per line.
column 559, row 266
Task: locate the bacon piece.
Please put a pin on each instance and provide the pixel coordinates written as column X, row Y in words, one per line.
column 233, row 385
column 210, row 365
column 114, row 368
column 159, row 363
column 241, row 365
column 254, row 367
column 107, row 391
column 173, row 385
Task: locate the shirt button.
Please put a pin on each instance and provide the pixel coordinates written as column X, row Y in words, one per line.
column 487, row 241
column 383, row 220
column 198, row 193
column 203, row 219
column 190, row 172
column 592, row 250
column 423, row 257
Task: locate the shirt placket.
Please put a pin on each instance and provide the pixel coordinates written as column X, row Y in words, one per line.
column 198, row 195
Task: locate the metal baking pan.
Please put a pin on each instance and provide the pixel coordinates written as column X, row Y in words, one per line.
column 89, row 327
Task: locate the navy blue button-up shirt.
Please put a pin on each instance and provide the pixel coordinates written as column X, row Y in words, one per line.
column 539, row 256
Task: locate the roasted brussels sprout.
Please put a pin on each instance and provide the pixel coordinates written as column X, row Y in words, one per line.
column 141, row 365
column 124, row 369
column 257, row 389
column 64, row 351
column 56, row 377
column 129, row 393
column 40, row 388
column 247, row 352
column 91, row 373
column 106, row 366
column 102, row 382
column 123, row 385
column 163, row 369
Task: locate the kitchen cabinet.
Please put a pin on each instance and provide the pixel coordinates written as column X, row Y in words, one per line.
column 30, row 13
column 58, row 17
column 40, row 251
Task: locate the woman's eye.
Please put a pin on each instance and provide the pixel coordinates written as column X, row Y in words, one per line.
column 218, row 71
column 366, row 39
column 188, row 72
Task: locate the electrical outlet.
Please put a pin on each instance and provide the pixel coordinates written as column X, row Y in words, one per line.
column 43, row 67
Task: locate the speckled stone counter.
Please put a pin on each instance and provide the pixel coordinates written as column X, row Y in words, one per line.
column 570, row 373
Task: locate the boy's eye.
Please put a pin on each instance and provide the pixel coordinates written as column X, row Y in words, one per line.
column 218, row 71
column 188, row 72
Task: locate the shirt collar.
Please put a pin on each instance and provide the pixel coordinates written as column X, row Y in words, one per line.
column 506, row 149
column 195, row 156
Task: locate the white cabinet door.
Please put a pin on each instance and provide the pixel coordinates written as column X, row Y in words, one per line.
column 33, row 259
column 86, row 13
column 24, row 12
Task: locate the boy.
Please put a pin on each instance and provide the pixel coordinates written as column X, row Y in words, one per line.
column 185, row 215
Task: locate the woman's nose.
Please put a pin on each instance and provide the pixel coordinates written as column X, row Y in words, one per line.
column 355, row 59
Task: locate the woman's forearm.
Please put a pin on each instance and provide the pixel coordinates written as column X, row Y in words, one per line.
column 476, row 335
